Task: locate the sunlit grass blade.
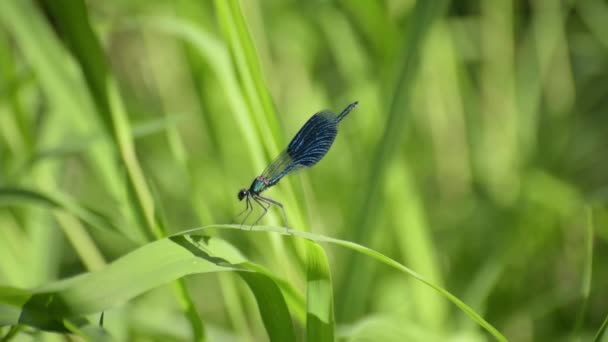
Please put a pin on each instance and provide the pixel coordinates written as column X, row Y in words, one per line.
column 216, row 55
column 58, row 80
column 107, row 236
column 76, row 146
column 83, row 43
column 212, row 51
column 101, row 237
column 146, row 268
column 248, row 67
column 373, row 255
column 253, row 85
column 22, row 196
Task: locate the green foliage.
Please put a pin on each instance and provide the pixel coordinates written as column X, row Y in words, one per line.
column 474, row 165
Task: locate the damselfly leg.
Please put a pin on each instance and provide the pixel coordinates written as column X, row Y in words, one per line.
column 265, row 208
column 270, row 201
column 248, row 209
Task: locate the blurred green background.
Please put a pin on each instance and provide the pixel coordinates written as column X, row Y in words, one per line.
column 476, row 157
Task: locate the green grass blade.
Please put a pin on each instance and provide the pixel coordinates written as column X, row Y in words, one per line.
column 245, row 45
column 213, row 52
column 272, row 306
column 394, row 264
column 72, row 17
column 374, row 255
column 21, row 196
column 235, row 308
column 86, row 242
column 187, row 304
column 586, row 275
column 89, row 332
column 600, row 333
column 293, row 296
column 11, row 301
column 59, row 81
column 248, row 66
column 255, row 90
column 104, row 230
column 81, row 241
column 320, row 322
column 218, row 57
column 76, row 146
column 146, row 268
column 13, row 331
column 355, row 284
column 73, row 20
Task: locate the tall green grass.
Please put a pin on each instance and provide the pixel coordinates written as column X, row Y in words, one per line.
column 473, row 166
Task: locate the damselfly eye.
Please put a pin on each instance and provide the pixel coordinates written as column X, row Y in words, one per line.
column 242, row 194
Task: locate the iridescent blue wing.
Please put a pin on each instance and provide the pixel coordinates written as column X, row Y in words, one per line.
column 314, row 139
column 309, row 145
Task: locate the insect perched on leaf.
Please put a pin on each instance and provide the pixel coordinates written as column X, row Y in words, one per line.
column 309, row 146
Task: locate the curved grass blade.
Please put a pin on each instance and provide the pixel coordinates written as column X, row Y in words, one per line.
column 79, row 145
column 293, row 297
column 73, row 20
column 105, row 231
column 374, row 255
column 158, row 263
column 16, row 195
column 146, row 268
column 274, row 312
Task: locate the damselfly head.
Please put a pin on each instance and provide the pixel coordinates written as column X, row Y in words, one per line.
column 242, row 194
